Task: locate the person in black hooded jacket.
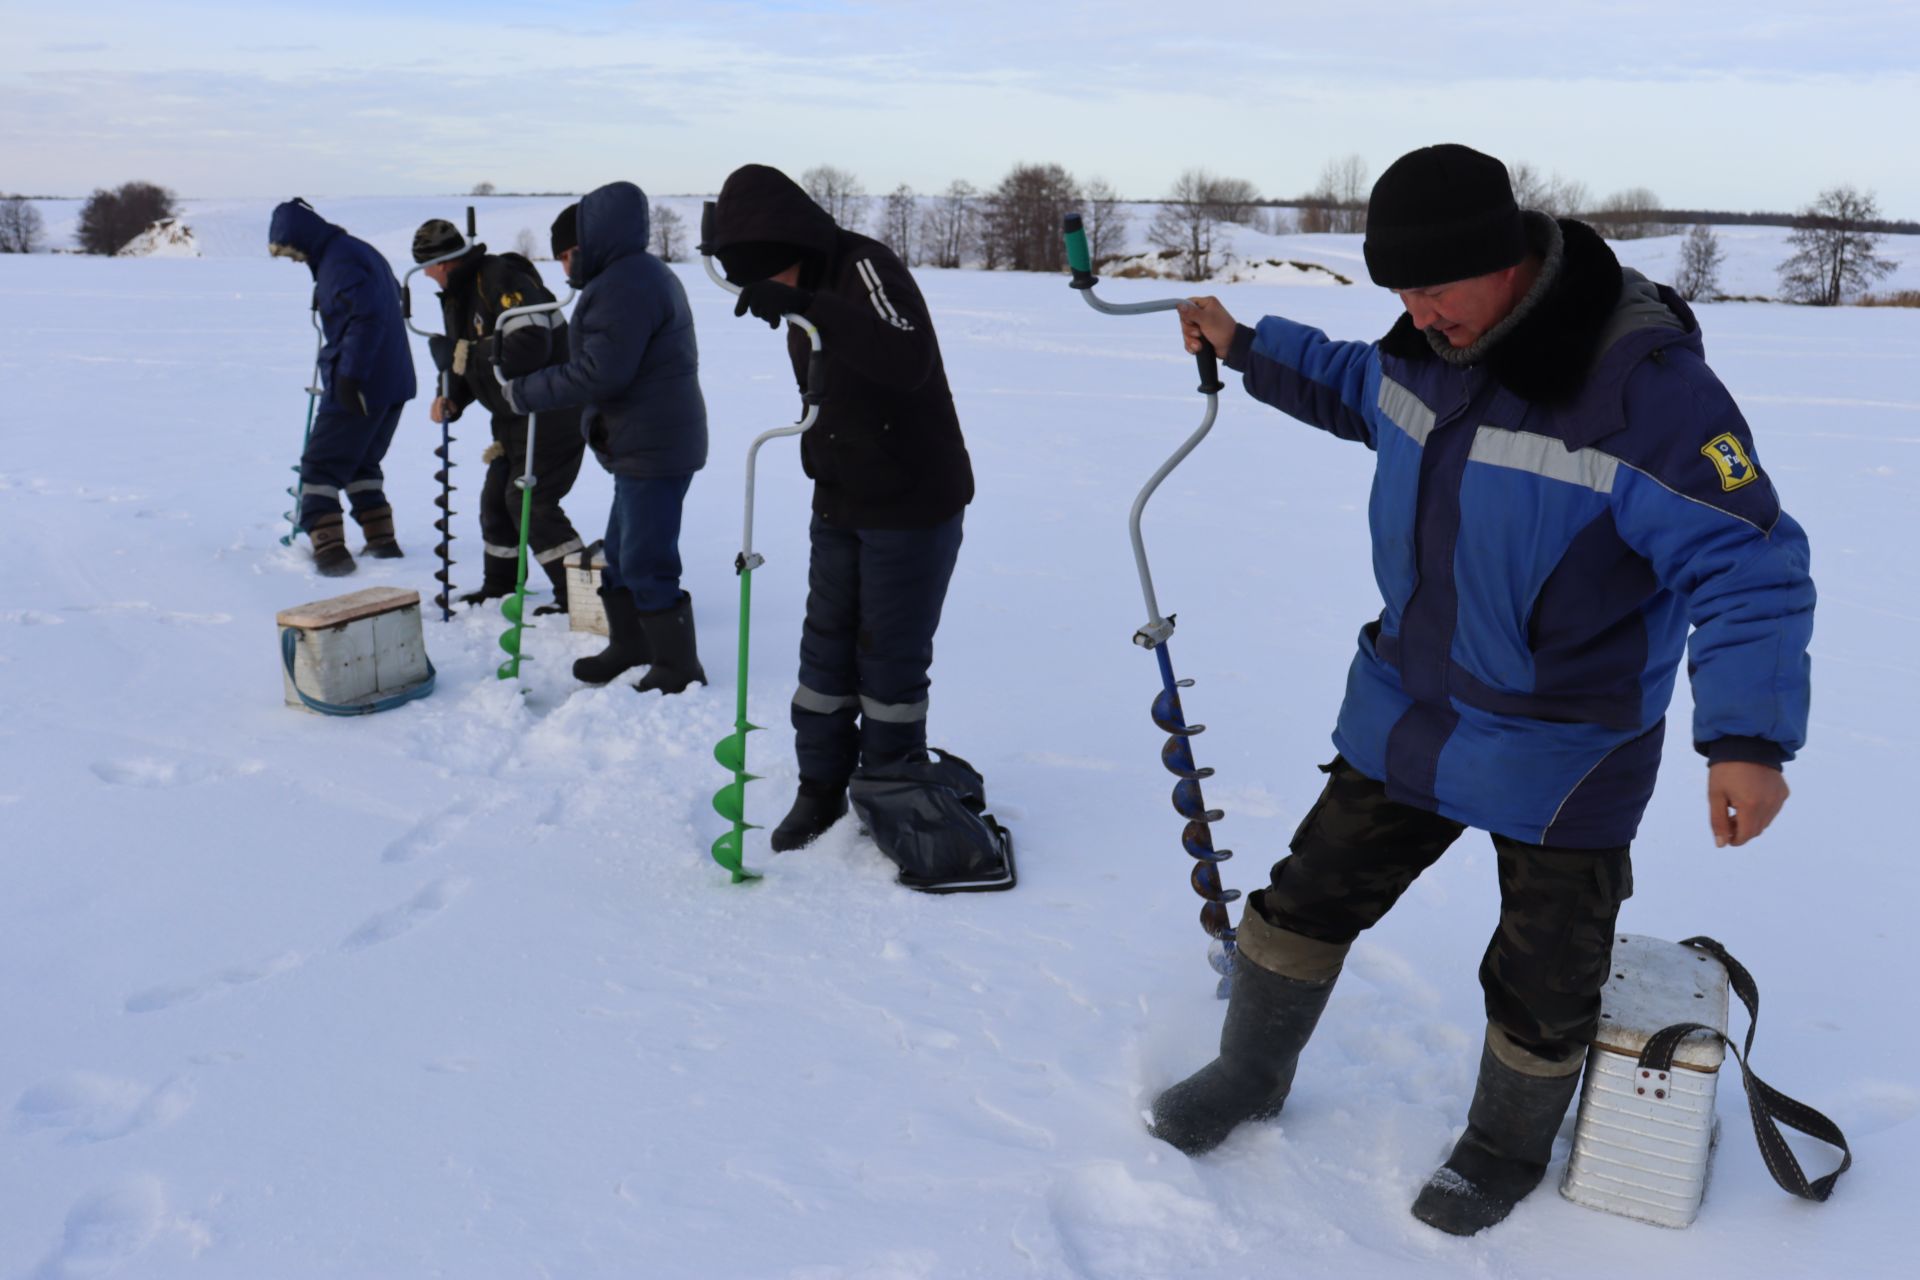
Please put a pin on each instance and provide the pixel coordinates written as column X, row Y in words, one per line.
column 891, row 482
column 633, row 363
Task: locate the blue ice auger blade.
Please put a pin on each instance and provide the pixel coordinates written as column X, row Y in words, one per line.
column 1190, row 802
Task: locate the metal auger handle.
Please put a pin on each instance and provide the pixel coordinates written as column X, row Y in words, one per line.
column 1080, row 261
column 810, row 398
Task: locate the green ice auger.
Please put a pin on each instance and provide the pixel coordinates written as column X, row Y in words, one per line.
column 514, row 607
column 294, row 528
column 731, row 751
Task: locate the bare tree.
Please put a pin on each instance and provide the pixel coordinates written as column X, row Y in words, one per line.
column 111, row 218
column 669, row 234
column 21, row 230
column 1555, row 196
column 838, row 192
column 482, row 189
column 1106, row 220
column 527, row 244
column 1021, row 222
column 946, row 226
column 898, row 222
column 1700, row 259
column 1190, row 217
column 1834, row 248
column 1628, row 215
column 1339, row 201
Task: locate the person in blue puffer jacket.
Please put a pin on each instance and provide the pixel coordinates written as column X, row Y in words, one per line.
column 1562, row 490
column 635, row 366
column 366, row 370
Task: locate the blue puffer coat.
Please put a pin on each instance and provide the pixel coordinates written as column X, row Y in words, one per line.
column 359, row 303
column 1547, row 525
column 633, row 362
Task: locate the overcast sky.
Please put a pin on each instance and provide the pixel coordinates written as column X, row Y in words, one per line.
column 1717, row 103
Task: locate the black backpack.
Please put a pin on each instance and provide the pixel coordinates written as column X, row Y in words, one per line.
column 928, row 814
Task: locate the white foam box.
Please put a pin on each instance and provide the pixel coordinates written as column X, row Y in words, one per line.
column 354, row 648
column 584, row 610
column 1643, row 1142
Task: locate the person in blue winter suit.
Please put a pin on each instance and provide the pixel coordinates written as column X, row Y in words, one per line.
column 366, row 368
column 1562, row 489
column 635, row 366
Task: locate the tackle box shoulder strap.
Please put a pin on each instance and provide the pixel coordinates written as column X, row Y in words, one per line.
column 1770, row 1107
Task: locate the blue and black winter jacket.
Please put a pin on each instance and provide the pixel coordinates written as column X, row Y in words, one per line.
column 359, row 304
column 1548, row 524
column 633, row 362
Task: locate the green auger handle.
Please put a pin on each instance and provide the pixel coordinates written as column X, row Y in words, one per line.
column 1079, row 257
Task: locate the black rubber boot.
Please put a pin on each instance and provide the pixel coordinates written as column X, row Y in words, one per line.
column 329, row 537
column 377, row 524
column 817, row 806
column 1504, row 1152
column 672, row 644
column 556, row 571
column 501, row 572
column 626, row 641
column 1270, row 1017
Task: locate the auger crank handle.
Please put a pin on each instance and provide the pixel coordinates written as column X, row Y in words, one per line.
column 1209, row 363
column 1079, row 257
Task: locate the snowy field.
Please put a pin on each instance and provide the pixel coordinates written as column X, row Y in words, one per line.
column 455, row 990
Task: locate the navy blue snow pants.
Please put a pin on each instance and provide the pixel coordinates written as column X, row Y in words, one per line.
column 343, row 456
column 642, row 550
column 873, row 603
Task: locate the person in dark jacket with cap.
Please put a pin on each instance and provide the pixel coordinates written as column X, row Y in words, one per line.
column 476, row 287
column 891, row 481
column 367, row 370
column 633, row 366
column 1562, row 491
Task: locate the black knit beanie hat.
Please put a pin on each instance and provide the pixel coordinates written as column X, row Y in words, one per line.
column 436, row 238
column 566, row 229
column 753, row 260
column 1442, row 214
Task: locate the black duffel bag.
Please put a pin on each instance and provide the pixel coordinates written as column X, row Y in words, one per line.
column 929, row 814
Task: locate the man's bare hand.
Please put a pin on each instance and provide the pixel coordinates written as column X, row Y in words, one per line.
column 1205, row 320
column 1742, row 800
column 442, row 410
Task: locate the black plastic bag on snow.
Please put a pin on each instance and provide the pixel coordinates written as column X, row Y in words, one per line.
column 929, row 816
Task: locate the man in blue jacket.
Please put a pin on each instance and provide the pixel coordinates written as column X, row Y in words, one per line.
column 1562, row 489
column 367, row 369
column 635, row 367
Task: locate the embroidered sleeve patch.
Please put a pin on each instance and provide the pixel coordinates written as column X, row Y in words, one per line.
column 1731, row 461
column 509, row 300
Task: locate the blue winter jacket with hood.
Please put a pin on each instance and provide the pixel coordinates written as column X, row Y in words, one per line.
column 633, row 362
column 1548, row 524
column 359, row 304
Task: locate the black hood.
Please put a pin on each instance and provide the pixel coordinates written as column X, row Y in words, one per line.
column 758, row 204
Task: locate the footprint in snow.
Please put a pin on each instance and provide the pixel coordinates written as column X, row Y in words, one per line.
column 153, row 771
column 432, row 834
column 409, row 915
column 106, row 1230
column 154, row 999
column 90, row 1107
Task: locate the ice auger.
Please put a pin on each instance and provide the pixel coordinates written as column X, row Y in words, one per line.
column 294, row 528
column 731, row 751
column 514, row 607
column 441, row 345
column 1177, row 754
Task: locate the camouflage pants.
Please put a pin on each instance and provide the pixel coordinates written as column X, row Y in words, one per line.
column 1356, row 852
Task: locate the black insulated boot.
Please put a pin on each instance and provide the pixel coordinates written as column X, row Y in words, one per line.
column 626, row 641
column 818, row 806
column 501, row 573
column 1269, row 1019
column 331, row 559
column 673, row 650
column 1504, row 1152
column 556, row 571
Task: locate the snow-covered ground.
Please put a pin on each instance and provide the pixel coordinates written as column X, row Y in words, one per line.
column 455, row 990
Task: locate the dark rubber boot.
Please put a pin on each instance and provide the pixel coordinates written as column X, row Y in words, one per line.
column 626, row 641
column 330, row 555
column 556, row 571
column 817, row 806
column 501, row 571
column 674, row 649
column 1504, row 1152
column 1270, row 1017
column 377, row 524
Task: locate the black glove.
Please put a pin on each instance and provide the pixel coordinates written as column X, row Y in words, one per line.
column 441, row 348
column 348, row 395
column 770, row 300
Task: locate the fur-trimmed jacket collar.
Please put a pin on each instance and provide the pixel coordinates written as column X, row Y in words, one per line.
column 1548, row 355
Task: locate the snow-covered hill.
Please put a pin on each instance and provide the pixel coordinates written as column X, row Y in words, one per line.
column 455, row 990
